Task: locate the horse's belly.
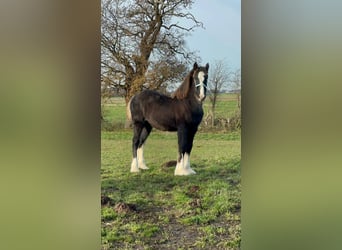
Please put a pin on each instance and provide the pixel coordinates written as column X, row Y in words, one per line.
column 163, row 125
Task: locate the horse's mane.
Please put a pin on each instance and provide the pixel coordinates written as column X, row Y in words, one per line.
column 183, row 90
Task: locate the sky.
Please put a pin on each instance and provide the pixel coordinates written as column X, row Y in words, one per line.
column 221, row 38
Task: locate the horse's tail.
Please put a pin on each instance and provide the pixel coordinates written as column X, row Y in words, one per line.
column 129, row 113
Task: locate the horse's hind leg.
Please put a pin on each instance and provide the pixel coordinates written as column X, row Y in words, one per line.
column 141, row 132
column 140, row 151
column 137, row 129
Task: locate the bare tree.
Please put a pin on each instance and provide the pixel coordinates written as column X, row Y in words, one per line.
column 143, row 42
column 236, row 85
column 219, row 78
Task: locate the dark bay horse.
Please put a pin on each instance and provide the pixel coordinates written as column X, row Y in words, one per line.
column 182, row 112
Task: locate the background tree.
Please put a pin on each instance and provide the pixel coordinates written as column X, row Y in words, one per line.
column 220, row 76
column 143, row 43
column 236, row 85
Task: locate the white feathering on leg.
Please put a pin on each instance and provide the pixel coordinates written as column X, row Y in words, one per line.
column 183, row 166
column 134, row 166
column 187, row 164
column 141, row 160
column 179, row 167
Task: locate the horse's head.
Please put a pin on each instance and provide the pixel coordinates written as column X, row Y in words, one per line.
column 200, row 78
column 194, row 83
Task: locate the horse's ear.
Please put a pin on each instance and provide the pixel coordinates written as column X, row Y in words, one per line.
column 207, row 66
column 195, row 65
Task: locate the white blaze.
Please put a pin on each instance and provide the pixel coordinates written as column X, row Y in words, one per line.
column 201, row 84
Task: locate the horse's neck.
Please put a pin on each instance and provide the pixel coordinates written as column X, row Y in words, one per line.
column 190, row 101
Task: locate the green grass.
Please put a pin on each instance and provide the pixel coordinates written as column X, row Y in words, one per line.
column 115, row 109
column 200, row 211
column 226, row 105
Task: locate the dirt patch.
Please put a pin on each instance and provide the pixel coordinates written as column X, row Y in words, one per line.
column 122, row 207
column 169, row 164
column 195, row 203
column 106, row 201
column 193, row 191
column 119, row 207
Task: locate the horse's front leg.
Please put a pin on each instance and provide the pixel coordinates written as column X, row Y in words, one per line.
column 185, row 140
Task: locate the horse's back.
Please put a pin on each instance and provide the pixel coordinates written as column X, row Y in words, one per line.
column 163, row 112
column 155, row 108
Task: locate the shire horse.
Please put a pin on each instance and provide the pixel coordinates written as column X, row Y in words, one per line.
column 182, row 112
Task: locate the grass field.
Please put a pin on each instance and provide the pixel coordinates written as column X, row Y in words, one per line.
column 154, row 209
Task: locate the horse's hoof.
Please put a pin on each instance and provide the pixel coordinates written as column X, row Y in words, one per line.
column 135, row 170
column 143, row 167
column 191, row 171
column 134, row 166
column 186, row 171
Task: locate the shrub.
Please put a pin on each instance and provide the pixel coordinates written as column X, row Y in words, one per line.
column 228, row 124
column 234, row 123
